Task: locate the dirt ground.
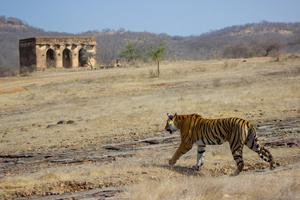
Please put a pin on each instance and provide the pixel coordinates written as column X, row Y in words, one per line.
column 99, row 134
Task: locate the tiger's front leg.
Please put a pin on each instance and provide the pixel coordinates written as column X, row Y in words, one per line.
column 182, row 149
column 200, row 157
column 238, row 157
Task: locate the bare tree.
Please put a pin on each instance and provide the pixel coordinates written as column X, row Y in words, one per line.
column 272, row 49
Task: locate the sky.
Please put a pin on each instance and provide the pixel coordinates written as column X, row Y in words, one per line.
column 174, row 17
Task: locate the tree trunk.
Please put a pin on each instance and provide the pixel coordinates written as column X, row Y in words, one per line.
column 157, row 68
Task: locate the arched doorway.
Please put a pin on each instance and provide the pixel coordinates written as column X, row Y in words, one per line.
column 83, row 57
column 67, row 58
column 50, row 58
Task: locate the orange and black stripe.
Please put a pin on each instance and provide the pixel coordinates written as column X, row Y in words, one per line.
column 238, row 132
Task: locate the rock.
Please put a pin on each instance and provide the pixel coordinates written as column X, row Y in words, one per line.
column 66, row 122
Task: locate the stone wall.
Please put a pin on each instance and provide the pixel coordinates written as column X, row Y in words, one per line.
column 28, row 58
column 60, row 52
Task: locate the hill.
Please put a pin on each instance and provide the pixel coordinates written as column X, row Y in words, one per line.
column 249, row 40
column 256, row 39
column 11, row 30
column 232, row 42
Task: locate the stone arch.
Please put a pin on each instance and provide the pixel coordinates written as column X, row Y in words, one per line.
column 83, row 57
column 50, row 58
column 67, row 58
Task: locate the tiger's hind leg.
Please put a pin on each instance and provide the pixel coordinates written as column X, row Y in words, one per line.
column 267, row 156
column 264, row 154
column 261, row 151
column 200, row 157
column 238, row 158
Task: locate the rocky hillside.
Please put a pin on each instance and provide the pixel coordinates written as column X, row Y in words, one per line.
column 11, row 30
column 257, row 39
column 249, row 40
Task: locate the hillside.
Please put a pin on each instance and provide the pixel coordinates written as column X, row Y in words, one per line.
column 249, row 40
column 11, row 30
column 232, row 42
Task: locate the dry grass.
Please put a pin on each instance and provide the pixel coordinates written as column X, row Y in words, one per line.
column 100, row 102
column 213, row 182
column 147, row 176
column 59, row 180
column 262, row 186
column 117, row 105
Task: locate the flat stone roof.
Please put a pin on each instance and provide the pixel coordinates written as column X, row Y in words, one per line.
column 60, row 40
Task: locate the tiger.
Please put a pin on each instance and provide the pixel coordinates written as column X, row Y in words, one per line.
column 196, row 129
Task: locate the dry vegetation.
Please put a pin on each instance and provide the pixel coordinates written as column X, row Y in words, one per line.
column 63, row 114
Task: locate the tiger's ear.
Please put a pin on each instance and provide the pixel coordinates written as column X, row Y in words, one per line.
column 170, row 116
column 175, row 114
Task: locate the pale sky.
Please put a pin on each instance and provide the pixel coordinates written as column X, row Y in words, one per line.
column 174, row 17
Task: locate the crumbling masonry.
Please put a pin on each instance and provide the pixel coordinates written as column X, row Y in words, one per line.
column 59, row 52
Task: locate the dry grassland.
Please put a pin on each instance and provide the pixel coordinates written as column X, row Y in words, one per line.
column 63, row 114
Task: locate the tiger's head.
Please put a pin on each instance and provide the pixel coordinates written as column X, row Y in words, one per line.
column 170, row 125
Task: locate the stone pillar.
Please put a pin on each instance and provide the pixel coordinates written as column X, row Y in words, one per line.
column 92, row 50
column 75, row 61
column 41, row 51
column 58, row 51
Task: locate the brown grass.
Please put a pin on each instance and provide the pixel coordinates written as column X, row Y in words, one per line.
column 116, row 105
column 262, row 186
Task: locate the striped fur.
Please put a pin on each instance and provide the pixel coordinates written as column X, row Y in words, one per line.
column 196, row 129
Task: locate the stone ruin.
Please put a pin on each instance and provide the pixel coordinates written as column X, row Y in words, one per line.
column 40, row 53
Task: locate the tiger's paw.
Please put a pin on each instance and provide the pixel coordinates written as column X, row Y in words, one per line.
column 196, row 168
column 235, row 173
column 273, row 165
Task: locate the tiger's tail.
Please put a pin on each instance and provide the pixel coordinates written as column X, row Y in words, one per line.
column 252, row 143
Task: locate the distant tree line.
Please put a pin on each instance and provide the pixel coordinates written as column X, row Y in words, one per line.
column 259, row 39
column 131, row 53
column 270, row 48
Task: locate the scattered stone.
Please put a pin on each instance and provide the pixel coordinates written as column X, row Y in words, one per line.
column 16, row 156
column 61, row 122
column 66, row 161
column 50, row 125
column 70, row 122
column 151, row 141
column 66, row 122
column 110, row 147
column 290, row 142
column 48, row 156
